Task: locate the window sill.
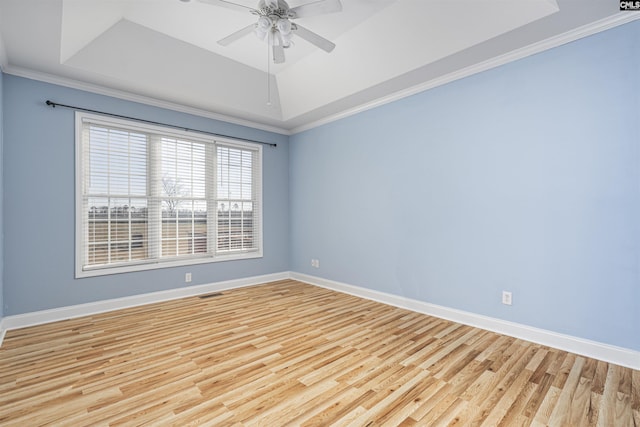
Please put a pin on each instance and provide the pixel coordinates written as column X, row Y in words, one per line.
column 106, row 271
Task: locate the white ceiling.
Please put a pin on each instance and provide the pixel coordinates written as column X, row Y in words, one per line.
column 165, row 51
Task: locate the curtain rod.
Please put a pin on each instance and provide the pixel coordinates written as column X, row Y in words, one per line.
column 55, row 104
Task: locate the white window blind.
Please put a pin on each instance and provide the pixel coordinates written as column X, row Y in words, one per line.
column 152, row 197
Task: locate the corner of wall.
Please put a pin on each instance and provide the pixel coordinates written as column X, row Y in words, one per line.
column 1, row 197
column 3, row 55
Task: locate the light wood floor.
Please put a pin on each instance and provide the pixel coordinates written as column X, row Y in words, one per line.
column 287, row 353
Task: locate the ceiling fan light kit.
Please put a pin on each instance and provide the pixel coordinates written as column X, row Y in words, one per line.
column 280, row 31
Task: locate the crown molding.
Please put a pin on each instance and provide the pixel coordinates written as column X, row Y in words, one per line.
column 127, row 96
column 612, row 21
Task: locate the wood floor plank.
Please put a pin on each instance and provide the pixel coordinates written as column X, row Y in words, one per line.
column 635, row 396
column 562, row 412
column 287, row 353
column 580, row 403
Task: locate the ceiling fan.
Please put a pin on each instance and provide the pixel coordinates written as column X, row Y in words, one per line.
column 275, row 24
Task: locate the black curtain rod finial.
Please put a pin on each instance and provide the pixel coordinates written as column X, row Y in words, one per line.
column 54, row 104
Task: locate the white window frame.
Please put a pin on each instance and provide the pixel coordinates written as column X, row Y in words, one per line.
column 150, row 264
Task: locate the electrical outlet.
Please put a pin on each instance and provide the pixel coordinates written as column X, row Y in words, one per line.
column 315, row 263
column 187, row 278
column 506, row 298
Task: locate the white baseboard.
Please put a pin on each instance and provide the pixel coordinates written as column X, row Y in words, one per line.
column 70, row 312
column 605, row 352
column 3, row 331
column 608, row 353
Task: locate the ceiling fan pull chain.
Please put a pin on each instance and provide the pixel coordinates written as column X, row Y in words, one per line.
column 269, row 69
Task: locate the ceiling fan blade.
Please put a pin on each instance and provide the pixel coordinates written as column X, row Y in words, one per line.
column 237, row 35
column 271, row 3
column 228, row 5
column 278, row 54
column 313, row 38
column 316, row 8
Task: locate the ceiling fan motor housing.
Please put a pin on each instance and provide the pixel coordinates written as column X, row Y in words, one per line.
column 279, row 9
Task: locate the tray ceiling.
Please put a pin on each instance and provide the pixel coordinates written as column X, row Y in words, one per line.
column 166, row 50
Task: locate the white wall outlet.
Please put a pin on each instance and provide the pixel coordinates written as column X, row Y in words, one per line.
column 187, row 278
column 506, row 298
column 315, row 263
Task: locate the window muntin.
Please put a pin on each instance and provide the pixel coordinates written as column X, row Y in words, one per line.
column 151, row 197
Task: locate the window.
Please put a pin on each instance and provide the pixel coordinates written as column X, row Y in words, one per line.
column 150, row 197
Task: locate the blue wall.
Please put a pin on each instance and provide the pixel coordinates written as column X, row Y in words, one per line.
column 39, row 202
column 522, row 178
column 1, row 199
